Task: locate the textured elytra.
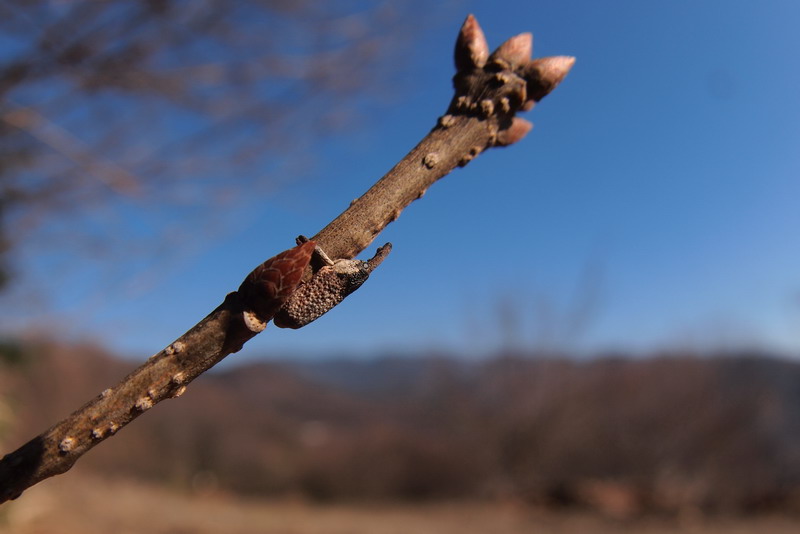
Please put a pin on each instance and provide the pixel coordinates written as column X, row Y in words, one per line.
column 329, row 286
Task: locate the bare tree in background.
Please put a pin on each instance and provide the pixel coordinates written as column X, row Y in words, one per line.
column 169, row 106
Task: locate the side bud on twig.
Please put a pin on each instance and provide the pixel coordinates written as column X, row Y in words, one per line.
column 519, row 128
column 266, row 289
column 545, row 73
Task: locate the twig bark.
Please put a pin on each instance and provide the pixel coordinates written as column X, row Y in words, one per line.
column 489, row 90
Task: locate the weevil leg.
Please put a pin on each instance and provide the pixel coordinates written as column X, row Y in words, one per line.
column 318, row 252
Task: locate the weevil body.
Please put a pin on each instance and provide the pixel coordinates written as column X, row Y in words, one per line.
column 329, row 286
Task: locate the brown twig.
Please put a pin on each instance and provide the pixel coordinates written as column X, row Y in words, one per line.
column 489, row 90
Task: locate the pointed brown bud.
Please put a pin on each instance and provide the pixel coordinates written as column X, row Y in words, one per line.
column 265, row 289
column 519, row 128
column 472, row 50
column 515, row 51
column 544, row 74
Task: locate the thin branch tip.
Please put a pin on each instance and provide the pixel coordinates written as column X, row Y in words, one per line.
column 519, row 129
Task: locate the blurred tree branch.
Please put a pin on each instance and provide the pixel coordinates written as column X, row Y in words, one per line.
column 489, row 91
column 158, row 102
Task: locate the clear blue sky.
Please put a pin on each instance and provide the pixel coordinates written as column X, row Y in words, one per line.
column 656, row 202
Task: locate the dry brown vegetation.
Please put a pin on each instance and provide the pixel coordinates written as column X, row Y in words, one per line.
column 90, row 505
column 673, row 435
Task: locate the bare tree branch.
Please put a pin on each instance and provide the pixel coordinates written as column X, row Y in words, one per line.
column 489, row 91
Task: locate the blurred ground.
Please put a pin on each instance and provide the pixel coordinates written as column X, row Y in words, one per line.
column 622, row 437
column 675, row 443
column 87, row 505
